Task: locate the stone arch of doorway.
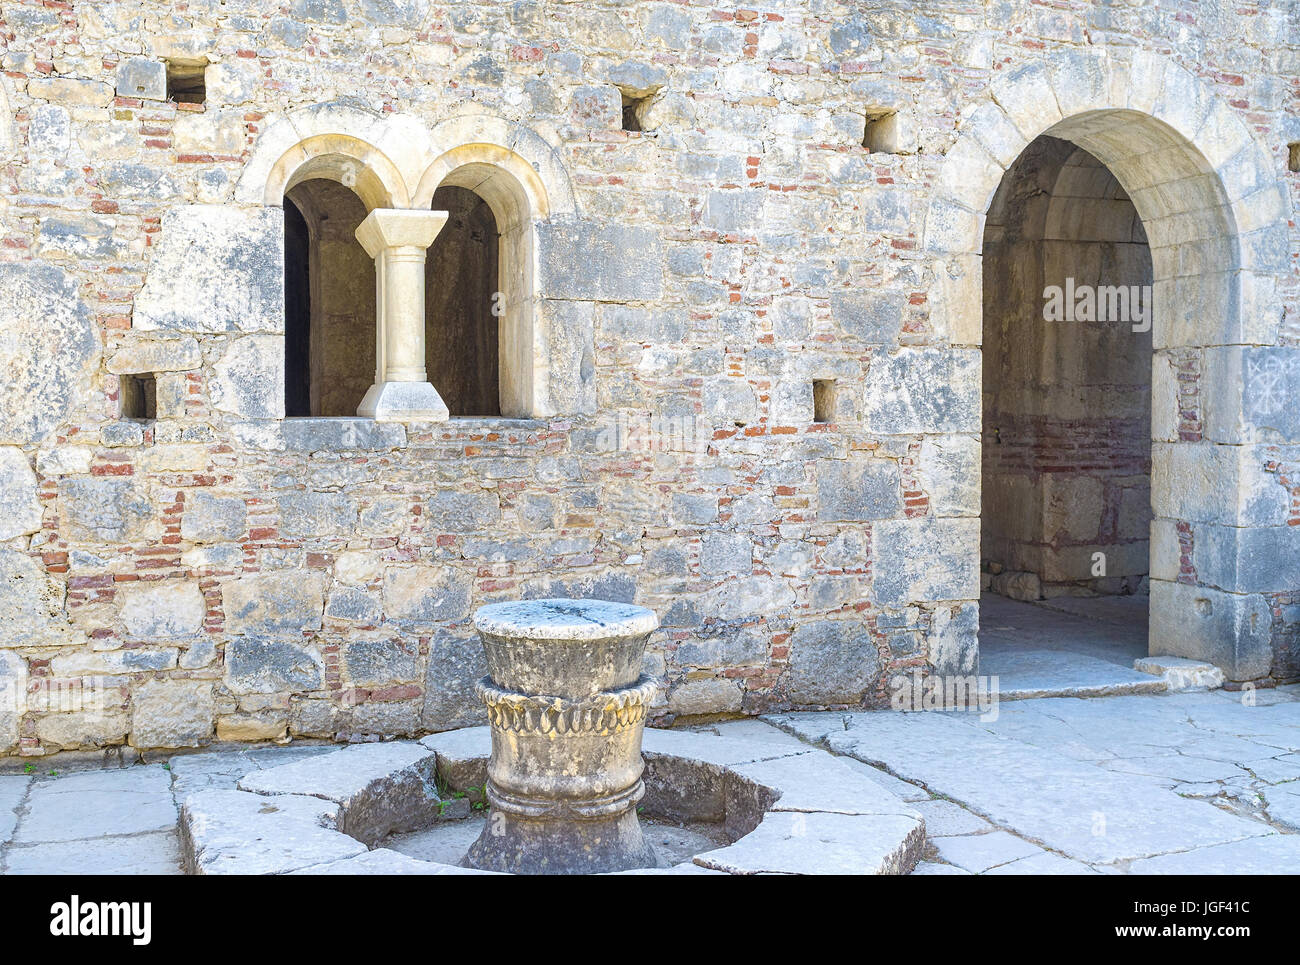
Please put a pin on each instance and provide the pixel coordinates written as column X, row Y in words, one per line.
column 1216, row 214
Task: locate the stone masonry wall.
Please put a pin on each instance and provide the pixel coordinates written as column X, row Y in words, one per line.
column 222, row 573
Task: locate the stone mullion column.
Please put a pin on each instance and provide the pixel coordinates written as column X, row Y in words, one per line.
column 398, row 240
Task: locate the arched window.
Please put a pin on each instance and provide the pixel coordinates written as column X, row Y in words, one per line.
column 329, row 301
column 463, row 298
column 451, row 313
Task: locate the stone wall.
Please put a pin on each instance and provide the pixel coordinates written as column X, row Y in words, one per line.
column 225, row 573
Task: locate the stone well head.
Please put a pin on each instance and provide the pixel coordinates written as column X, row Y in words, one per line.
column 564, row 648
column 566, row 703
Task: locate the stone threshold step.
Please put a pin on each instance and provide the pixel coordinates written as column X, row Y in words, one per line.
column 1095, row 678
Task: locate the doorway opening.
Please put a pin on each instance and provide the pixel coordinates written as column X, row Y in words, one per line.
column 1067, row 355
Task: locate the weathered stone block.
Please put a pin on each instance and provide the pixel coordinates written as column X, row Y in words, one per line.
column 747, row 646
column 953, row 640
column 1228, row 485
column 456, row 663
column 583, row 260
column 871, row 317
column 464, row 512
column 69, row 237
column 377, row 663
column 831, row 662
column 71, row 90
column 925, row 559
column 291, row 832
column 1229, row 630
column 315, row 435
column 20, row 510
column 155, row 355
column 1263, row 559
column 271, row 603
column 858, row 489
column 32, row 602
column 103, row 510
column 49, row 347
column 259, row 665
column 143, row 78
column 726, row 554
column 738, row 212
column 706, row 696
column 13, row 698
column 248, row 381
column 923, row 390
column 212, row 132
column 162, row 611
column 119, row 434
column 949, row 472
column 317, row 514
column 426, row 594
column 213, row 519
column 81, row 729
column 355, row 605
column 573, row 356
column 381, row 789
column 172, row 713
column 216, row 269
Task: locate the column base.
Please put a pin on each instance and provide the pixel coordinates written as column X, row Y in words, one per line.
column 569, row 846
column 403, row 402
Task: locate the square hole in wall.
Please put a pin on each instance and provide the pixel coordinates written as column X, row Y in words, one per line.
column 185, row 81
column 1293, row 156
column 138, row 395
column 631, row 112
column 823, row 400
column 881, row 134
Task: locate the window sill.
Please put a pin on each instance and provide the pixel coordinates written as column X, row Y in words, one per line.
column 351, row 433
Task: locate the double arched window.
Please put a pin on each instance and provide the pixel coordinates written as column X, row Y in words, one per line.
column 330, row 303
column 410, row 283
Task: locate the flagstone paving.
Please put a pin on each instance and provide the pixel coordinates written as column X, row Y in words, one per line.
column 1146, row 784
column 1152, row 784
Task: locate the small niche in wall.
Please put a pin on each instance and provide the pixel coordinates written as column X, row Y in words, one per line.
column 139, row 396
column 881, row 134
column 186, row 83
column 1293, row 156
column 631, row 112
column 823, row 400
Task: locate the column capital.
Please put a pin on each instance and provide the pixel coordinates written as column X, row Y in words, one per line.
column 386, row 228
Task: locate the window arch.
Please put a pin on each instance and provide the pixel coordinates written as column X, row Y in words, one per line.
column 487, row 175
column 329, row 297
column 394, row 165
column 462, row 297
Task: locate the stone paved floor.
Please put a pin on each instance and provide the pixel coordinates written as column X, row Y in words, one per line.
column 1189, row 782
column 1149, row 784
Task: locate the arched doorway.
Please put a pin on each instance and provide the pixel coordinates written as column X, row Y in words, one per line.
column 1214, row 213
column 1066, row 430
